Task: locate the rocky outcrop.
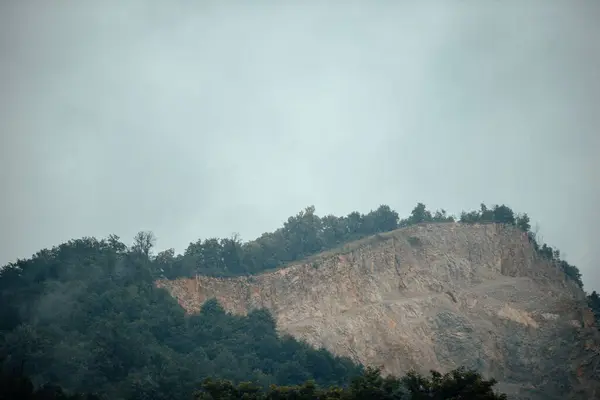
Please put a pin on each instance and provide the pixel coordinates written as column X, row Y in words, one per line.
column 434, row 296
column 586, row 359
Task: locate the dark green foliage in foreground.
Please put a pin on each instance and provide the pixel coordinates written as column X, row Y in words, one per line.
column 15, row 386
column 457, row 384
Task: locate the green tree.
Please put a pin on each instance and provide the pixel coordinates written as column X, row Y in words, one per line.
column 503, row 215
column 442, row 216
column 384, row 219
column 420, row 214
column 523, row 222
column 143, row 242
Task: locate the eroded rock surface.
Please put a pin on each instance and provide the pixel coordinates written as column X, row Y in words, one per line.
column 434, row 296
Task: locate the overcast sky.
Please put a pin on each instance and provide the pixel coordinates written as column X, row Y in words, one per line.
column 197, row 118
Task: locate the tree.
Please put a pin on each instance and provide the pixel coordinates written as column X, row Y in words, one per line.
column 523, row 222
column 232, row 253
column 115, row 243
column 442, row 216
column 470, row 217
column 355, row 222
column 385, row 219
column 503, row 215
column 302, row 233
column 420, row 214
column 166, row 263
column 485, row 214
column 143, row 242
column 334, row 230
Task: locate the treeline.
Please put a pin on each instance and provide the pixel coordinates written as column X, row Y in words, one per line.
column 86, row 315
column 302, row 235
column 371, row 385
column 306, row 234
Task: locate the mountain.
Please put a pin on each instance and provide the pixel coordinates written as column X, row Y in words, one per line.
column 430, row 296
column 320, row 299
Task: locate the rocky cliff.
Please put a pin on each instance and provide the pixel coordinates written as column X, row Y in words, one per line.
column 435, row 296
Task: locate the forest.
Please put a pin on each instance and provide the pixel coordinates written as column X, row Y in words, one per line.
column 370, row 385
column 85, row 317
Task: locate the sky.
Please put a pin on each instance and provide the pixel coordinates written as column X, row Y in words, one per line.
column 198, row 119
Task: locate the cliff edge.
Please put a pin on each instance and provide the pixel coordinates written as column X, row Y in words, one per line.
column 430, row 296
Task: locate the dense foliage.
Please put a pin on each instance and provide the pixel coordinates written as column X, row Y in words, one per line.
column 87, row 316
column 306, row 233
column 14, row 385
column 457, row 384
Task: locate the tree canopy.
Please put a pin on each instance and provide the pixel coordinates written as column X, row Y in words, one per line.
column 370, row 385
column 306, row 234
column 87, row 316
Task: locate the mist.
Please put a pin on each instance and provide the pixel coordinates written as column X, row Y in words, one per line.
column 199, row 119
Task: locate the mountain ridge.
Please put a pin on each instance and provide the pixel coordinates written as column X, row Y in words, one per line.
column 420, row 297
column 87, row 314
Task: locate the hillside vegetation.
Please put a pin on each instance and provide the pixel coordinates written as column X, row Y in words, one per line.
column 368, row 386
column 86, row 315
column 306, row 234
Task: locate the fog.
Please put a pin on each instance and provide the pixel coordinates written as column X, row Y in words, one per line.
column 199, row 119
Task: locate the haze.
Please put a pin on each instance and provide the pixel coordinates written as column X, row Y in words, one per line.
column 199, row 119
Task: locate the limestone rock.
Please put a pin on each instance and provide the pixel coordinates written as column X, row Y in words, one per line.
column 431, row 296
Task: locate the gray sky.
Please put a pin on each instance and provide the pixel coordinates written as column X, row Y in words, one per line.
column 197, row 119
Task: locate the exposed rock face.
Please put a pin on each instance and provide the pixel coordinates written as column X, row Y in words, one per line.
column 586, row 360
column 435, row 296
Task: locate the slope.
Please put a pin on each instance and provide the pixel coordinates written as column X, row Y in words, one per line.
column 85, row 315
column 429, row 296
